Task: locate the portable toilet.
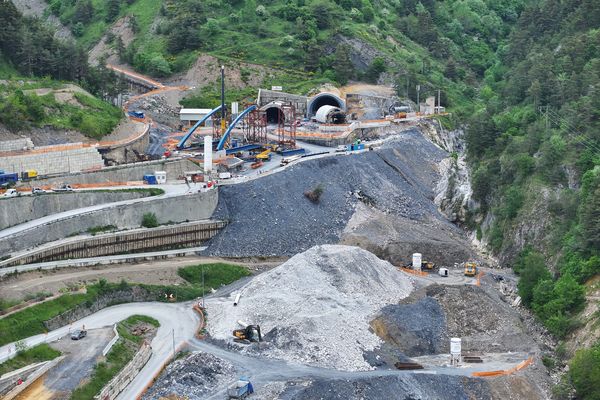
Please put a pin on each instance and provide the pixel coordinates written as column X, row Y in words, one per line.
column 161, row 177
column 443, row 272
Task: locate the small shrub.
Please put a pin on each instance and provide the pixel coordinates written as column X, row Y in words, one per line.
column 149, row 220
column 315, row 194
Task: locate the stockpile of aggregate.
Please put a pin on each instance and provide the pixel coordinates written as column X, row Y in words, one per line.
column 271, row 216
column 315, row 309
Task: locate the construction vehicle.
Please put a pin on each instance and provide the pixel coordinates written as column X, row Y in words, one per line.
column 250, row 333
column 264, row 156
column 470, row 269
column 427, row 265
column 29, row 174
column 240, row 389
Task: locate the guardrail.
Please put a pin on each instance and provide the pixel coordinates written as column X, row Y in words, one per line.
column 112, row 341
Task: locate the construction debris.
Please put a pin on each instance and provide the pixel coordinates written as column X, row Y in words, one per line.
column 316, row 308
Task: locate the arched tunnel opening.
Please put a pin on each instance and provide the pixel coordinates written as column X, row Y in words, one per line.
column 274, row 115
column 325, row 99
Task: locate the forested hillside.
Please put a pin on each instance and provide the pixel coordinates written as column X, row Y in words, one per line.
column 522, row 77
column 534, row 147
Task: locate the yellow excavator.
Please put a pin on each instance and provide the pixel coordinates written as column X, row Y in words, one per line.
column 470, row 269
column 251, row 333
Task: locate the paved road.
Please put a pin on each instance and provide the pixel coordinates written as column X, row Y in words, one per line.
column 178, row 323
column 171, row 190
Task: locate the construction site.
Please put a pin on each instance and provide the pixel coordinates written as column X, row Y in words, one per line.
column 338, row 206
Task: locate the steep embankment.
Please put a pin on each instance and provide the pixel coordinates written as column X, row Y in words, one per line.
column 381, row 200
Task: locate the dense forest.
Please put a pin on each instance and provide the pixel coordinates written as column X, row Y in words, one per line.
column 522, row 77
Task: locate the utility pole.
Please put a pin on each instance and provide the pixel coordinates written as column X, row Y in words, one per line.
column 203, row 286
column 407, row 82
column 173, row 331
column 222, row 99
column 418, row 92
column 439, row 102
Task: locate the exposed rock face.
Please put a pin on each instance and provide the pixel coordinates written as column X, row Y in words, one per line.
column 362, row 53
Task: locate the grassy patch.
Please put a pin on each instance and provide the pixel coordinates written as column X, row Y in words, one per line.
column 101, row 228
column 120, row 354
column 215, row 275
column 5, row 304
column 39, row 353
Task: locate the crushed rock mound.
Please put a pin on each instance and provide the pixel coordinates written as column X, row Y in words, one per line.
column 315, row 308
column 193, row 377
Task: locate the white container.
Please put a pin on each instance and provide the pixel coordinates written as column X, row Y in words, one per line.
column 455, row 346
column 224, row 175
column 443, row 272
column 161, row 177
column 416, row 260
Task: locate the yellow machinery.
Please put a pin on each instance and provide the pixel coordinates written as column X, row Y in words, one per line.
column 265, row 155
column 29, row 174
column 427, row 265
column 470, row 269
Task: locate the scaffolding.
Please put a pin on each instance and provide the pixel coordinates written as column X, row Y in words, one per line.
column 255, row 127
column 286, row 127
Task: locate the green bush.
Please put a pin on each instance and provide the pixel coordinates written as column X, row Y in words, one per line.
column 585, row 373
column 149, row 220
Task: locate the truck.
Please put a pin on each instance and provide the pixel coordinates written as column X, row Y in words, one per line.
column 8, row 179
column 29, row 174
column 241, row 389
column 287, row 160
column 470, row 269
column 136, row 114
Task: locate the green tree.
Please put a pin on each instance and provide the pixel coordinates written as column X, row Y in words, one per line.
column 113, row 8
column 342, row 64
column 84, row 11
column 531, row 270
column 585, row 373
column 375, row 69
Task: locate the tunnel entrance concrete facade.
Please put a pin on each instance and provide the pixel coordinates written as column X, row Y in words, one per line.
column 324, row 99
column 274, row 115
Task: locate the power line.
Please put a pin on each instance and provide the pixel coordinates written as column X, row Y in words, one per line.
column 570, row 129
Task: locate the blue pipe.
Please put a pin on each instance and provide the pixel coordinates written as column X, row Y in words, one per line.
column 221, row 144
column 193, row 129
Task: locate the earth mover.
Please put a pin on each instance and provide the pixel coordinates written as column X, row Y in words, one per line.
column 470, row 269
column 251, row 333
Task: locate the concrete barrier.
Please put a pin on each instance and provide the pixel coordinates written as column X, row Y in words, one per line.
column 112, row 341
column 190, row 207
column 34, row 377
column 127, row 374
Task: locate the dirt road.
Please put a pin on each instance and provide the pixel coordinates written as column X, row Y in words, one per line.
column 159, row 272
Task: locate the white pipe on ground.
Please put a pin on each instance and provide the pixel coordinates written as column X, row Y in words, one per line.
column 237, row 299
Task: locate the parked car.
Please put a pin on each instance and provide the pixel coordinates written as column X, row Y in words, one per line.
column 11, row 193
column 78, row 334
column 37, row 190
column 64, row 188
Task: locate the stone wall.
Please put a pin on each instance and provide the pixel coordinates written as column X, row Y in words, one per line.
column 127, row 374
column 17, row 144
column 190, row 207
column 129, row 295
column 16, row 210
column 53, row 161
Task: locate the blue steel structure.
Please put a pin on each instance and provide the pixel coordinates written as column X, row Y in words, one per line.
column 181, row 143
column 225, row 136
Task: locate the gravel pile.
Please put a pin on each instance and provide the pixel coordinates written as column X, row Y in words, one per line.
column 192, row 377
column 315, row 309
column 271, row 216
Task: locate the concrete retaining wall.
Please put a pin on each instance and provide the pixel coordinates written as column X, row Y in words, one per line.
column 120, row 382
column 17, row 210
column 53, row 162
column 31, row 379
column 191, row 207
column 124, row 173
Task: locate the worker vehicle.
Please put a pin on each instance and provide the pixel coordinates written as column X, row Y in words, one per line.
column 29, row 174
column 11, row 193
column 8, row 179
column 427, row 265
column 470, row 269
column 78, row 334
column 64, row 188
column 251, row 333
column 240, row 389
column 37, row 190
column 136, row 114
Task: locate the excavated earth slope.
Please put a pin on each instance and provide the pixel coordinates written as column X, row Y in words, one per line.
column 381, row 200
